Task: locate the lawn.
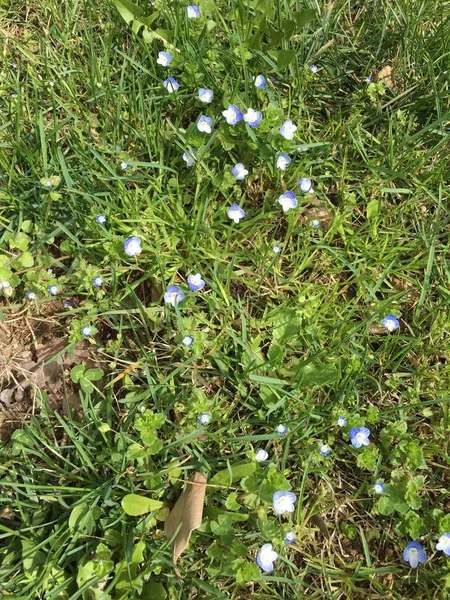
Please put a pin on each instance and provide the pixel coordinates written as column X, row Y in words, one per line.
column 224, row 246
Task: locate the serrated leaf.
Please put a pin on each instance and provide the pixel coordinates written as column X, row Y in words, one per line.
column 26, row 260
column 135, row 505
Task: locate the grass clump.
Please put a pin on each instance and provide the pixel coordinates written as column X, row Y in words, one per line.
column 116, row 375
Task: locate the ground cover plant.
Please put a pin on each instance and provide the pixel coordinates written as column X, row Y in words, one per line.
column 224, row 258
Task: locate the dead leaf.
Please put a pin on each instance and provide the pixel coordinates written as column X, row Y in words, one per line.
column 187, row 512
column 385, row 76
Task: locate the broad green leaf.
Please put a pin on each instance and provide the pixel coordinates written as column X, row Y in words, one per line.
column 32, row 559
column 135, row 505
column 26, row 260
column 76, row 373
column 288, row 27
column 127, row 10
column 273, row 480
column 5, row 274
column 372, row 209
column 94, row 374
column 153, row 591
column 246, row 571
column 229, row 476
column 411, row 495
column 82, row 518
column 20, row 241
column 317, row 372
column 86, row 385
column 303, row 17
column 27, row 226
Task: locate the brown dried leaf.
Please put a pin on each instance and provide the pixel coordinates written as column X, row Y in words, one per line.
column 385, row 76
column 187, row 512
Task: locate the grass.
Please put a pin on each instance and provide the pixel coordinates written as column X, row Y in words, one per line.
column 294, row 338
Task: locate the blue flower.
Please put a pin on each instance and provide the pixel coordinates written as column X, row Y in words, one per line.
column 193, row 12
column 253, row 117
column 305, row 184
column 288, row 129
column 31, row 295
column 188, row 340
column 204, row 124
column 232, row 114
column 444, row 543
column 379, row 488
column 53, row 290
column 4, row 285
column 101, row 219
column 342, row 421
column 195, row 282
column 170, row 84
column 276, row 248
column 283, row 502
column 414, row 554
column 325, row 449
column 132, row 246
column 173, row 295
column 368, row 79
column 281, row 429
column 164, row 59
column 287, row 201
column 260, row 82
column 359, row 436
column 261, row 455
column 313, row 68
column 190, row 156
column 315, row 224
column 239, row 171
column 48, row 183
column 86, row 331
column 390, row 322
column 290, row 537
column 205, row 95
column 236, row 213
column 68, row 304
column 204, row 418
column 266, row 557
column 97, row 281
column 124, row 165
column 283, row 160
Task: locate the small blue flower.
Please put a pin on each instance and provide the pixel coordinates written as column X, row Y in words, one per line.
column 283, row 502
column 283, row 160
column 236, row 213
column 325, row 449
column 359, row 436
column 4, row 285
column 232, row 114
column 290, row 537
column 305, row 184
column 281, row 429
column 170, row 84
column 260, row 82
column 204, row 124
column 124, row 165
column 379, row 488
column 390, row 322
column 53, row 290
column 315, row 224
column 50, row 270
column 164, row 59
column 444, row 543
column 266, row 557
column 188, row 340
column 204, row 418
column 48, row 183
column 414, row 554
column 342, row 421
column 51, row 83
column 86, row 331
column 239, row 171
column 31, row 295
column 195, row 282
column 313, row 69
column 276, row 248
column 132, row 246
column 101, row 219
column 368, row 79
column 97, row 281
column 288, row 201
column 288, row 129
column 68, row 304
column 253, row 117
column 190, row 156
column 205, row 95
column 261, row 455
column 193, row 12
column 173, row 295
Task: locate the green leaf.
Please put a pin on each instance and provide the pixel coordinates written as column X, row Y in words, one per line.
column 283, row 57
column 5, row 274
column 229, row 476
column 368, row 458
column 372, row 209
column 231, row 502
column 288, row 27
column 94, row 374
column 86, row 385
column 127, row 10
column 32, row 559
column 317, row 372
column 303, row 17
column 273, row 481
column 153, row 591
column 76, row 373
column 135, row 505
column 82, row 518
column 411, row 525
column 411, row 495
column 245, row 571
column 26, row 260
column 20, row 241
column 27, row 226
